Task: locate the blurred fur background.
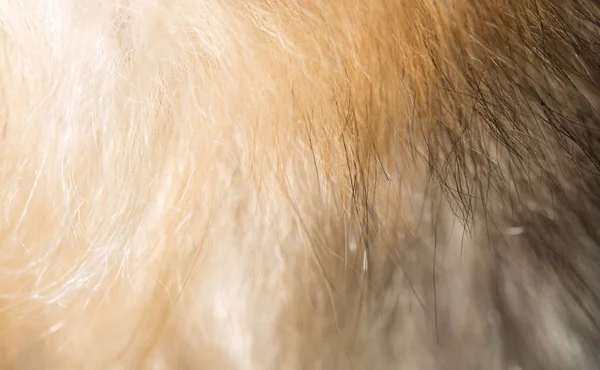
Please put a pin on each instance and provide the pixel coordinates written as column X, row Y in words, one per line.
column 300, row 184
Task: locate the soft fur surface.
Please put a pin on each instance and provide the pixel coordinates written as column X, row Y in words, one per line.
column 300, row 184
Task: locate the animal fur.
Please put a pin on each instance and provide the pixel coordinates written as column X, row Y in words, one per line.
column 283, row 184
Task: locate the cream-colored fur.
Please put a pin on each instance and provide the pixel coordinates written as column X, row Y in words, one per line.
column 242, row 184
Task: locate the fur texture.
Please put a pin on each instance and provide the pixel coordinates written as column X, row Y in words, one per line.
column 282, row 184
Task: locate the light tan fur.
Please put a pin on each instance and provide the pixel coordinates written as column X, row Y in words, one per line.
column 249, row 184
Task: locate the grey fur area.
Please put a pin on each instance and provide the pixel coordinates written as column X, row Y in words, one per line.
column 499, row 264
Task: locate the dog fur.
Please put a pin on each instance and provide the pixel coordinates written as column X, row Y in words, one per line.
column 285, row 184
